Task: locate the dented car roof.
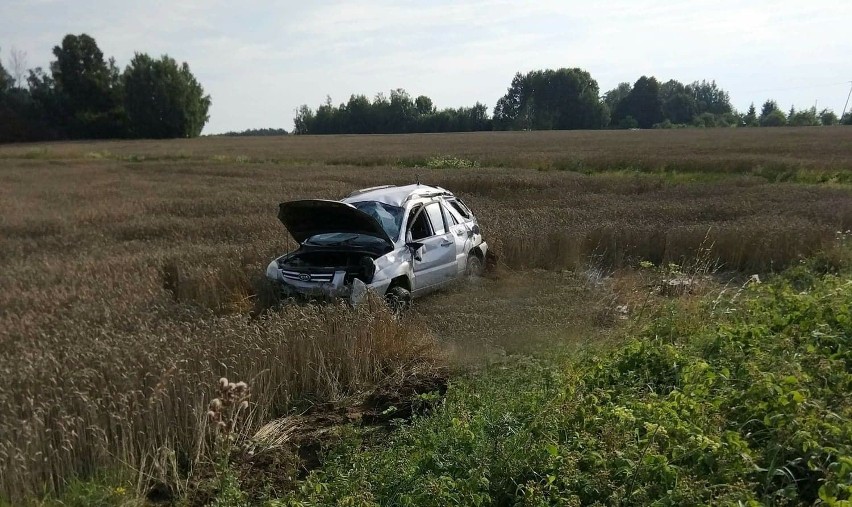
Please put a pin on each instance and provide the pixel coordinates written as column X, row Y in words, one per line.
column 395, row 195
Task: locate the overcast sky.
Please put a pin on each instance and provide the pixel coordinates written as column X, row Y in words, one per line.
column 260, row 60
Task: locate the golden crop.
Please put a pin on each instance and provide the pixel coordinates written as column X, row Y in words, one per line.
column 130, row 271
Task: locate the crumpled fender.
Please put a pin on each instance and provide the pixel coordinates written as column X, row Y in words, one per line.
column 392, row 265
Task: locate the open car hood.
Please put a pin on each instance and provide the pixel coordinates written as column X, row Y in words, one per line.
column 310, row 217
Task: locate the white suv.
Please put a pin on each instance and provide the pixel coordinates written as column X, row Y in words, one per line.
column 398, row 241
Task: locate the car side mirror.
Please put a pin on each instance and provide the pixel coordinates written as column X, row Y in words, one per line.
column 415, row 247
column 476, row 230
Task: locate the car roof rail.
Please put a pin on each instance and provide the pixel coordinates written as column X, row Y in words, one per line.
column 369, row 189
column 426, row 192
column 434, row 191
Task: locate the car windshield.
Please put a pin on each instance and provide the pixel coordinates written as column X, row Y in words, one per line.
column 390, row 217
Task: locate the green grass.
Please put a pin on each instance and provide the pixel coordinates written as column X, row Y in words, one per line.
column 102, row 490
column 744, row 398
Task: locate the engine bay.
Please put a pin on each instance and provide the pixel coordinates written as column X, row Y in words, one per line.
column 358, row 265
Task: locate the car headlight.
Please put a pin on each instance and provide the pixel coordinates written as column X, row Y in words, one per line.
column 272, row 270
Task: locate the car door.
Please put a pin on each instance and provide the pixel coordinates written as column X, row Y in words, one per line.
column 459, row 234
column 437, row 263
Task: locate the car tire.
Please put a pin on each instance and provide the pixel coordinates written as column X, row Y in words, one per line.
column 398, row 299
column 474, row 268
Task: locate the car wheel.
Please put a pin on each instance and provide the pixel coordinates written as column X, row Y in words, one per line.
column 474, row 267
column 398, row 299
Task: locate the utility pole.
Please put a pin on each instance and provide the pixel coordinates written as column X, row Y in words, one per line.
column 847, row 102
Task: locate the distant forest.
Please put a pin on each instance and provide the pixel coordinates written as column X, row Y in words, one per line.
column 563, row 99
column 254, row 133
column 85, row 96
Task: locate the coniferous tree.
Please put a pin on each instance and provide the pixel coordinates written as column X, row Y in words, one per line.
column 750, row 118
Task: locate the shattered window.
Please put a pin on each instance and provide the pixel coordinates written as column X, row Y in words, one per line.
column 420, row 228
column 460, row 208
column 451, row 212
column 390, row 217
column 450, row 216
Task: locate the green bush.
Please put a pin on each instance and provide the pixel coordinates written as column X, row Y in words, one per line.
column 775, row 118
column 449, row 162
column 745, row 399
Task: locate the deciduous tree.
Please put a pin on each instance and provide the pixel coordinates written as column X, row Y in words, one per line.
column 5, row 79
column 88, row 88
column 643, row 104
column 803, row 118
column 616, row 95
column 775, row 118
column 767, row 107
column 163, row 99
column 678, row 102
column 18, row 67
column 709, row 98
column 401, row 111
column 424, row 105
column 562, row 99
column 80, row 72
column 771, row 115
column 827, row 117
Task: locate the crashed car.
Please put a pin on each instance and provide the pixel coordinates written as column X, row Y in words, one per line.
column 399, row 241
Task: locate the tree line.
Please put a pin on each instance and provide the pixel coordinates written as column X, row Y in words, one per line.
column 84, row 96
column 398, row 113
column 561, row 99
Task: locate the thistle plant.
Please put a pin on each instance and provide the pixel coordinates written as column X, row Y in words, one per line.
column 224, row 415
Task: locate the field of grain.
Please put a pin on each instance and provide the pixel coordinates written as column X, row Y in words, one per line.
column 131, row 271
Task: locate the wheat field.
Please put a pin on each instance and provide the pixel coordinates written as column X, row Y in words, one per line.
column 132, row 271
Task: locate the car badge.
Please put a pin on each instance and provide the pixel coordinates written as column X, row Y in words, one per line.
column 305, row 277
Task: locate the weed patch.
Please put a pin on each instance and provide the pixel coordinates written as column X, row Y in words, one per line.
column 447, row 162
column 740, row 399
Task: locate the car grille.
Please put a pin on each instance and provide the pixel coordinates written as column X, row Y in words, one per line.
column 304, row 276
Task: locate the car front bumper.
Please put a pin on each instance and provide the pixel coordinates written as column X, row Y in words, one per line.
column 355, row 292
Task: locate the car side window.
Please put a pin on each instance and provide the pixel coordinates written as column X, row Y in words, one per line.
column 460, row 208
column 437, row 218
column 420, row 228
column 452, row 213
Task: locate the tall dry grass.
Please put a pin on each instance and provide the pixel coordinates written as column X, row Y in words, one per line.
column 92, row 400
column 774, row 153
column 129, row 270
